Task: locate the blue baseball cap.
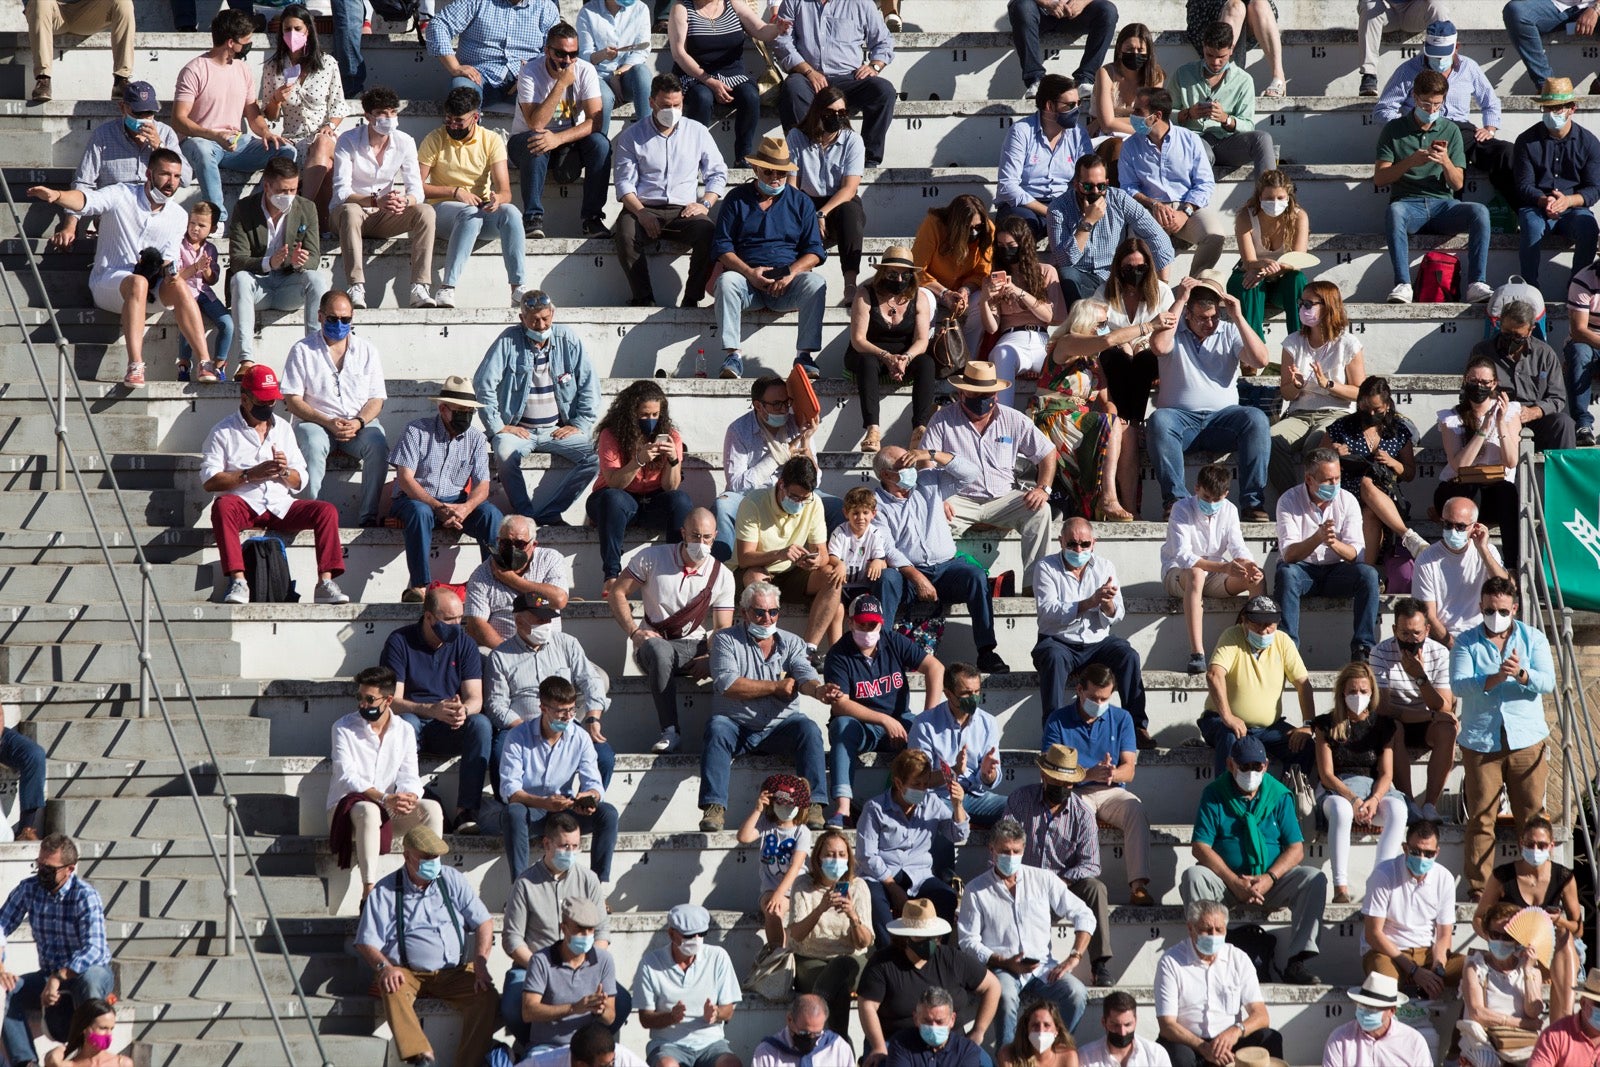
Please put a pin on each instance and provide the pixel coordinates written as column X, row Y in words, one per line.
column 1248, row 750
column 1440, row 39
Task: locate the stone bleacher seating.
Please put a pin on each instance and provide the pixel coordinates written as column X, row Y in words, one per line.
column 69, row 661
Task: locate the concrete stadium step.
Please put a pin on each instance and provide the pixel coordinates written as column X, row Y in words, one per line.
column 36, row 470
column 76, row 702
column 106, row 777
column 159, row 818
column 205, row 898
column 77, row 580
column 30, row 510
column 141, row 739
column 925, row 133
column 628, row 342
column 26, row 664
column 343, row 1049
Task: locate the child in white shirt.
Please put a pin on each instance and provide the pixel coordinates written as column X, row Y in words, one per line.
column 863, row 547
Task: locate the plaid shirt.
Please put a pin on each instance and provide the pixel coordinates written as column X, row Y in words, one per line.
column 495, row 36
column 69, row 925
column 442, row 464
column 1066, row 842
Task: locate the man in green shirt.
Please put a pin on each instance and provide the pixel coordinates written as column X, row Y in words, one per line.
column 1218, row 101
column 1420, row 159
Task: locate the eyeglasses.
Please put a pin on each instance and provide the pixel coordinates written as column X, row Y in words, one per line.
column 764, row 613
column 367, row 702
column 1094, row 187
column 144, row 116
column 1482, row 381
column 1423, row 853
column 776, row 405
column 565, row 712
column 1459, row 527
column 462, row 123
column 1077, row 544
column 839, row 111
column 1310, row 303
column 562, row 55
column 345, row 319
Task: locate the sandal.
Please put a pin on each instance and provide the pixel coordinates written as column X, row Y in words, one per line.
column 1111, row 511
column 872, row 441
column 1277, row 88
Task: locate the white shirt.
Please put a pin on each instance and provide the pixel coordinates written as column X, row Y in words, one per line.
column 362, row 760
column 233, row 445
column 536, row 81
column 1411, row 908
column 996, row 921
column 1401, row 691
column 1145, row 1054
column 128, row 225
column 1057, row 591
column 357, row 170
column 666, row 584
column 1205, row 1000
column 1116, row 318
column 1400, row 1046
column 561, row 1056
column 275, row 230
column 1333, row 357
column 1451, row 582
column 339, row 393
column 857, row 552
column 1192, row 536
column 1491, row 452
column 1299, row 516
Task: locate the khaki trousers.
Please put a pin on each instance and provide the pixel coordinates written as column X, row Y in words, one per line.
column 1522, row 772
column 82, row 18
column 480, row 1011
column 366, row 822
column 1292, row 436
column 1376, row 962
column 1118, row 807
column 1007, row 512
column 352, row 222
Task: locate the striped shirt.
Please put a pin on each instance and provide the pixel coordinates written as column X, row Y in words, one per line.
column 441, row 464
column 539, row 411
column 1066, row 842
column 717, row 45
column 1400, row 691
column 69, row 925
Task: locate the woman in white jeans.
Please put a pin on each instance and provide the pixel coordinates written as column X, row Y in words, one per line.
column 1356, row 753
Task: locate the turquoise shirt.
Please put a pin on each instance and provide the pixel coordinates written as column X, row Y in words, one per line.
column 1511, row 715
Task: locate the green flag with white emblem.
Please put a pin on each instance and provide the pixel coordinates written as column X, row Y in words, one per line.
column 1572, row 522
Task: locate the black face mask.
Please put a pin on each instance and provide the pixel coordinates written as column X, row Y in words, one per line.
column 48, row 880
column 832, row 122
column 260, row 412
column 370, row 712
column 243, row 51
column 922, row 948
column 1133, row 60
column 1068, row 118
column 460, row 422
column 1090, row 198
column 1007, row 255
column 1477, row 391
column 1055, row 794
column 1409, row 646
column 897, row 285
column 1131, row 274
column 803, row 1043
column 1121, row 1040
column 978, row 406
column 458, row 135
column 510, row 555
column 1371, row 418
column 1507, row 345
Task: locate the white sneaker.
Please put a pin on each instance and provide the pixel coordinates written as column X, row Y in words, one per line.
column 1431, row 813
column 1415, row 543
column 1478, row 292
column 358, row 295
column 328, row 592
column 420, row 297
column 516, row 296
column 667, row 742
column 444, row 296
column 238, row 592
column 1400, row 294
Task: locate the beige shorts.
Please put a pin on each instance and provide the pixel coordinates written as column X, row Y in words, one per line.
column 1216, row 583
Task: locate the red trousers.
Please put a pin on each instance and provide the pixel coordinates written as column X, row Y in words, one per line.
column 230, row 515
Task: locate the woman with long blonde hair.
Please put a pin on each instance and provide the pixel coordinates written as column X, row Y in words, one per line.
column 1356, row 753
column 1271, row 223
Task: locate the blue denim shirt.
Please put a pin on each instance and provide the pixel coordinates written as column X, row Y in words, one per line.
column 1511, row 715
column 776, row 237
column 506, row 375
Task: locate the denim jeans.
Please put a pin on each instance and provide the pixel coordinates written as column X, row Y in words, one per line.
column 217, row 312
column 281, row 290
column 1068, row 995
column 1057, row 661
column 490, row 95
column 699, row 103
column 1582, row 362
column 209, row 159
column 614, row 510
column 1096, row 24
column 726, row 509
column 462, row 224
column 511, row 1005
column 472, row 741
column 848, row 738
column 594, row 150
column 93, row 984
column 1274, row 738
column 521, row 822
column 416, row 518
column 559, row 488
column 1433, row 214
column 635, row 86
column 25, row 756
column 345, row 45
column 956, row 581
column 933, row 890
column 1528, row 20
column 790, row 735
column 807, row 294
column 1576, row 225
column 369, row 445
column 1171, row 432
column 984, row 809
column 1342, row 579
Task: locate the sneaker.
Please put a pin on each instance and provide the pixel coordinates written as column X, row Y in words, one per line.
column 468, row 826
column 414, row 595
column 420, row 297
column 1296, row 974
column 1400, row 294
column 733, row 366
column 1030, row 89
column 206, row 374
column 1478, row 292
column 892, row 20
column 667, row 742
column 1415, row 543
column 712, row 817
column 238, row 592
column 516, row 295
column 1369, row 85
column 837, row 821
column 595, row 227
column 134, row 376
column 1431, row 813
column 328, row 592
column 444, row 296
column 989, row 662
column 533, row 227
column 816, row 818
column 358, row 295
column 1197, row 663
column 1585, row 437
column 41, row 90
column 808, row 363
column 183, row 372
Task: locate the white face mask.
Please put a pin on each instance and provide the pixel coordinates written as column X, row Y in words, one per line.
column 1274, row 208
column 281, row 201
column 690, row 946
column 785, row 814
column 668, row 116
column 384, row 125
column 1495, row 622
column 1042, row 1040
column 1357, row 702
column 157, row 197
column 1248, row 781
column 696, row 552
column 539, row 635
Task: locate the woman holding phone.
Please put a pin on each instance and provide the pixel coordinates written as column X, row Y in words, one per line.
column 1480, row 437
column 1021, row 301
column 641, row 472
column 830, row 926
column 303, row 95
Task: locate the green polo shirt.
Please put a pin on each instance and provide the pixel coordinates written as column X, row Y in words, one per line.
column 1401, row 138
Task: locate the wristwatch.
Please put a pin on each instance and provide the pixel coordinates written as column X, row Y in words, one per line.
column 591, row 720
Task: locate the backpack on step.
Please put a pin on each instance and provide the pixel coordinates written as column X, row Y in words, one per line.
column 266, row 570
column 1516, row 289
column 1260, row 946
column 399, row 12
column 1439, row 280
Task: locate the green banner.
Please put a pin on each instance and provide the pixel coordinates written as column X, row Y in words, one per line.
column 1572, row 521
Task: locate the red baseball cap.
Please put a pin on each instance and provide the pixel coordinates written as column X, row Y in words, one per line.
column 261, row 382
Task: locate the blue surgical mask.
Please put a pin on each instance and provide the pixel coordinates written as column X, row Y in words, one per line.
column 775, row 421
column 769, row 190
column 1327, row 490
column 538, row 337
column 1075, row 558
column 1536, row 857
column 790, row 504
column 562, row 859
column 1141, row 125
column 1554, row 120
column 648, row 426
column 1440, row 63
column 133, row 125
column 1594, row 1018
column 1103, row 329
column 1502, row 950
column 1209, row 944
column 933, row 1036
column 337, row 331
column 1455, row 540
column 913, row 796
column 1419, row 866
column 834, row 868
column 579, row 944
column 1259, row 641
column 428, row 870
column 1008, row 863
column 559, row 726
column 447, row 632
column 1369, row 1019
column 1426, row 117
column 1208, row 507
column 907, row 477
column 760, row 630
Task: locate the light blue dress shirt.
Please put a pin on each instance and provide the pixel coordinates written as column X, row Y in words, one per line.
column 735, row 655
column 1176, row 173
column 824, row 169
column 831, row 35
column 1124, row 217
column 1031, row 170
column 995, row 921
column 598, row 28
column 495, row 36
column 662, row 170
column 545, row 770
column 1466, row 88
column 936, row 732
column 890, row 842
column 1511, row 715
column 919, row 534
column 433, row 942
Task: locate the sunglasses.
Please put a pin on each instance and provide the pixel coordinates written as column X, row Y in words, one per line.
column 1423, row 853
column 1077, row 544
column 1310, row 303
column 764, row 613
column 344, row 319
column 1459, row 527
column 1094, row 187
column 562, row 55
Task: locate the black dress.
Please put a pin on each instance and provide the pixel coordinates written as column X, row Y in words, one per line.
column 896, row 338
column 1511, row 891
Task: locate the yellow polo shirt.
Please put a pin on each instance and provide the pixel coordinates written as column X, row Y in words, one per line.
column 1255, row 681
column 762, row 519
column 463, row 163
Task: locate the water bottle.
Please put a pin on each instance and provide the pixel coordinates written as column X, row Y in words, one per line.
column 700, row 363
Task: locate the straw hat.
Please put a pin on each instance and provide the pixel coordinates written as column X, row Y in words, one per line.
column 979, row 377
column 1555, row 91
column 1378, row 991
column 918, row 920
column 1211, row 278
column 1590, row 990
column 1059, row 763
column 458, row 391
column 773, row 154
column 1256, row 1057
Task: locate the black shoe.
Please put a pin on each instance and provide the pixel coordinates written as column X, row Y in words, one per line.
column 533, row 227
column 642, row 302
column 1100, row 976
column 1585, row 437
column 989, row 662
column 1360, row 654
column 1296, row 974
column 595, row 227
column 119, row 82
column 1369, row 85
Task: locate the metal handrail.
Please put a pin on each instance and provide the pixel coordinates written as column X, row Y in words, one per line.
column 1544, row 605
column 151, row 596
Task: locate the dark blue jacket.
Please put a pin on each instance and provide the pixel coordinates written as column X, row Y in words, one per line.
column 1542, row 162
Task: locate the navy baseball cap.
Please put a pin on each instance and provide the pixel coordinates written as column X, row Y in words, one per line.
column 1440, row 39
column 1248, row 750
column 141, row 96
